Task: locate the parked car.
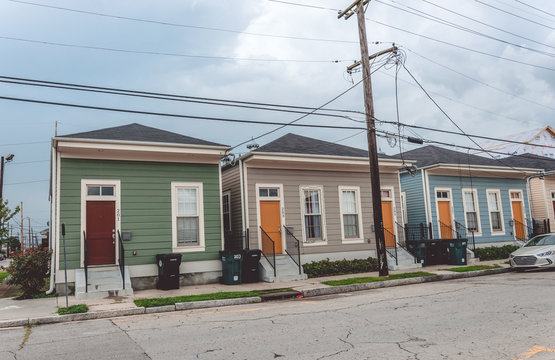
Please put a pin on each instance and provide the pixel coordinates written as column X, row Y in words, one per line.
column 539, row 252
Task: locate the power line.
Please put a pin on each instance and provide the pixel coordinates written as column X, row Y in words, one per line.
column 25, row 143
column 436, row 19
column 486, row 24
column 305, row 5
column 89, row 47
column 186, row 25
column 535, row 8
column 515, row 15
column 480, row 81
column 460, row 47
column 228, row 102
column 26, row 182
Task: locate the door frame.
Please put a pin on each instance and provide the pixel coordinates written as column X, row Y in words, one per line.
column 117, row 212
column 523, row 209
column 281, row 210
column 451, row 210
column 393, row 208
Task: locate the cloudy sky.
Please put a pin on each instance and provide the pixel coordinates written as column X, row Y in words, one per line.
column 487, row 63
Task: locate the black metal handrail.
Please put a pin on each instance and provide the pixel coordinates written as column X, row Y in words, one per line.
column 389, row 236
column 446, row 227
column 86, row 262
column 521, row 226
column 121, row 259
column 539, row 227
column 416, row 232
column 293, row 247
column 267, row 240
column 462, row 233
column 236, row 240
column 403, row 244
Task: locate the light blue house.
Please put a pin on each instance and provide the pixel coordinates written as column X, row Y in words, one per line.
column 453, row 194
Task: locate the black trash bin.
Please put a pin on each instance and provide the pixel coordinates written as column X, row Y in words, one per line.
column 436, row 253
column 418, row 249
column 231, row 266
column 168, row 271
column 249, row 270
column 457, row 251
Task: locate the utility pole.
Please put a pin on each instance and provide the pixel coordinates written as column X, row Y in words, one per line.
column 30, row 238
column 370, row 132
column 21, row 223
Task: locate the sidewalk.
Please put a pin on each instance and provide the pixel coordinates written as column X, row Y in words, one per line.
column 25, row 309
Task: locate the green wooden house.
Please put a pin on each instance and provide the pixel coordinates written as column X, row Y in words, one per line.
column 126, row 194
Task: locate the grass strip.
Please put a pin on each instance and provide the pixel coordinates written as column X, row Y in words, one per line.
column 360, row 280
column 73, row 309
column 473, row 268
column 3, row 275
column 203, row 297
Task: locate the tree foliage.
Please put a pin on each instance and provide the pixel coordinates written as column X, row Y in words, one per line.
column 28, row 270
column 5, row 215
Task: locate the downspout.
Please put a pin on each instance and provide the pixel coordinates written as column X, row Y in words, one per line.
column 52, row 227
column 242, row 203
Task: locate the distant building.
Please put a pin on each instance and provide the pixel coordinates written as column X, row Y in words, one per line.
column 541, row 136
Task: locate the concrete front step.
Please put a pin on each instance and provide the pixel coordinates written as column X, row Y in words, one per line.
column 102, row 282
column 286, row 270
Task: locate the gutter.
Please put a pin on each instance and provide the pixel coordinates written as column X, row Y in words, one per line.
column 53, row 202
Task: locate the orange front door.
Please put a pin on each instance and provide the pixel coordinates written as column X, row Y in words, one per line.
column 387, row 218
column 270, row 221
column 518, row 220
column 444, row 208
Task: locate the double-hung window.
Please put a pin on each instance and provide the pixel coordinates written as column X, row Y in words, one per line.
column 495, row 214
column 349, row 198
column 313, row 219
column 226, row 210
column 470, row 203
column 187, row 217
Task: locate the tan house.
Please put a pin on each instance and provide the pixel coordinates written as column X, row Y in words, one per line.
column 541, row 188
column 306, row 199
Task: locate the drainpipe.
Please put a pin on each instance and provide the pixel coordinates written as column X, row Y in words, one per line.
column 242, row 204
column 53, row 210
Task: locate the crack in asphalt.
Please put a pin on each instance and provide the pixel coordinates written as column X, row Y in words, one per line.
column 207, row 351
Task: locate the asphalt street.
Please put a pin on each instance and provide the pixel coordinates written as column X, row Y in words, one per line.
column 508, row 316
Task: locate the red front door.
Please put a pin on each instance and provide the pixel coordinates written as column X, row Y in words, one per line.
column 101, row 232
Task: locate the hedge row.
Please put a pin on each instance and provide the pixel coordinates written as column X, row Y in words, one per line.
column 494, row 252
column 340, row 267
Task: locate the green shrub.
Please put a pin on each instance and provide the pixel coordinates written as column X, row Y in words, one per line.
column 28, row 270
column 339, row 267
column 73, row 309
column 495, row 252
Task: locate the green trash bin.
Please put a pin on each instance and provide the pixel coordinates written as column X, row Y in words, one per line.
column 231, row 266
column 418, row 250
column 456, row 249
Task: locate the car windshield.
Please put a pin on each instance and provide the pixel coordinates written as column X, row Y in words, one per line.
column 541, row 240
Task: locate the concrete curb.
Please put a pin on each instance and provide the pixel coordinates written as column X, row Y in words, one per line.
column 216, row 303
column 329, row 290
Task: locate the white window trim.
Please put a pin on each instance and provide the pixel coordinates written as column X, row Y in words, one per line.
column 523, row 208
column 360, row 238
column 496, row 232
column 84, row 197
column 404, row 212
column 200, row 203
column 324, row 240
column 477, row 209
column 228, row 194
column 451, row 210
column 282, row 211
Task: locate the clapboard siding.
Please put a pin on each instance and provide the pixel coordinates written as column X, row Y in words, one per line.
column 330, row 180
column 231, row 182
column 412, row 185
column 145, row 205
column 456, row 184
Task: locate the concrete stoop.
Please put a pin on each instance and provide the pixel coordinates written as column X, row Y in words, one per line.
column 286, row 270
column 103, row 282
column 405, row 260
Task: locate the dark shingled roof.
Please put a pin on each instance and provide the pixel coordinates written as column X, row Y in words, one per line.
column 431, row 155
column 531, row 161
column 297, row 144
column 138, row 132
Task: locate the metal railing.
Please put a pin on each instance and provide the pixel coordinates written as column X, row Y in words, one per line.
column 416, row 231
column 268, row 243
column 389, row 237
column 403, row 243
column 236, row 240
column 462, row 233
column 521, row 230
column 539, row 227
column 121, row 259
column 446, row 231
column 86, row 262
column 293, row 247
